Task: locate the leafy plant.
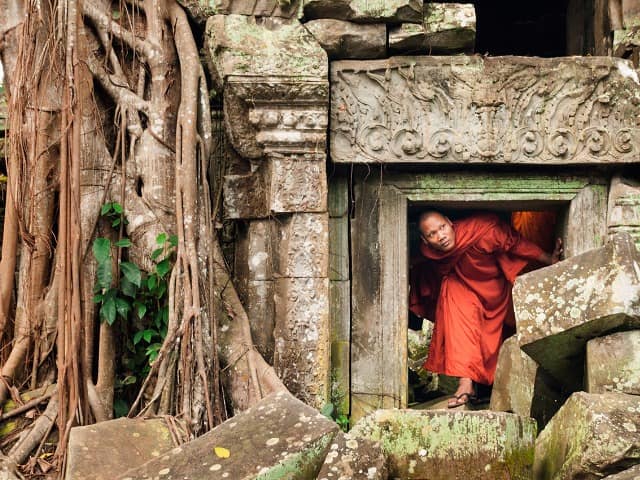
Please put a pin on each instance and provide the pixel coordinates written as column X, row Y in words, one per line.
column 138, row 300
column 329, row 411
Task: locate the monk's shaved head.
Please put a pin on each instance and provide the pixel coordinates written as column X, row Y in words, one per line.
column 437, row 230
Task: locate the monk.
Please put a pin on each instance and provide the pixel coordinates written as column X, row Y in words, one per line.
column 463, row 281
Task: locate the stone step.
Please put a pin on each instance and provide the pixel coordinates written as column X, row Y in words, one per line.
column 278, row 438
column 108, row 449
column 354, row 459
column 441, row 403
column 447, row 444
column 591, row 436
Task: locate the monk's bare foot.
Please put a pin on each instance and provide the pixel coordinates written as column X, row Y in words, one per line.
column 464, row 394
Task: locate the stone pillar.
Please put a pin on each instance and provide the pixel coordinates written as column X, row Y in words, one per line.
column 624, row 208
column 273, row 75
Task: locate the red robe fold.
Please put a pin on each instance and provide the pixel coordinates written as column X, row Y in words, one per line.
column 467, row 291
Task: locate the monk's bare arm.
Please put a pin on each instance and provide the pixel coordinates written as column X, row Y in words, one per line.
column 553, row 257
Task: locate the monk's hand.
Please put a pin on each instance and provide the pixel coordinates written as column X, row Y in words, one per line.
column 557, row 251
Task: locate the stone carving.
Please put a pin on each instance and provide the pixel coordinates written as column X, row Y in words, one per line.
column 298, row 185
column 303, row 245
column 274, row 76
column 302, row 343
column 481, row 110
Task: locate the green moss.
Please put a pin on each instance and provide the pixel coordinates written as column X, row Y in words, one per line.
column 302, row 465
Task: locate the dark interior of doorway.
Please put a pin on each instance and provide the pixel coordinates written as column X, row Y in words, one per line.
column 507, row 27
column 424, row 387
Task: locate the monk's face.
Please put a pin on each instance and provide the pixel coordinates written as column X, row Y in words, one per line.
column 437, row 231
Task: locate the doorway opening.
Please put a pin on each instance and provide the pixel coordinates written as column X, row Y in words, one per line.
column 539, row 222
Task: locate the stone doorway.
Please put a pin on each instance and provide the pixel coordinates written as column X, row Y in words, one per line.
column 379, row 232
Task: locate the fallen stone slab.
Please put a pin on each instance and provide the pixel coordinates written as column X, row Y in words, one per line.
column 559, row 308
column 441, row 444
column 632, row 473
column 613, row 363
column 449, row 27
column 278, row 438
column 521, row 387
column 366, row 11
column 591, row 436
column 354, row 459
column 108, row 449
column 342, row 39
column 408, row 39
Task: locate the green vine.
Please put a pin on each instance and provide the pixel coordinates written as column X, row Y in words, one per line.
column 137, row 299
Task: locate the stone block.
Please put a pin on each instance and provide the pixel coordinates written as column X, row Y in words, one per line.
column 591, row 436
column 632, row 473
column 354, row 459
column 449, row 27
column 473, row 109
column 298, row 185
column 613, row 363
column 278, row 438
column 273, row 75
column 108, row 449
column 624, row 208
column 365, row 11
column 521, row 387
column 302, row 245
column 302, row 343
column 445, row 444
column 342, row 39
column 254, row 255
column 559, row 308
column 407, row 38
column 245, row 196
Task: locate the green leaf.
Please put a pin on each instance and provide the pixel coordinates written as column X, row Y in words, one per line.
column 327, row 410
column 117, row 208
column 131, row 272
column 103, row 275
column 115, row 15
column 120, row 408
column 127, row 288
column 137, row 337
column 152, row 351
column 123, row 242
column 129, row 380
column 160, row 239
column 156, row 253
column 160, row 290
column 106, row 208
column 122, row 307
column 163, row 268
column 116, row 222
column 108, row 310
column 102, row 249
column 152, row 281
column 98, row 298
column 148, row 335
column 141, row 309
column 173, row 240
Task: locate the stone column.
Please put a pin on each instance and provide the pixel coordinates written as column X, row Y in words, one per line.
column 273, row 75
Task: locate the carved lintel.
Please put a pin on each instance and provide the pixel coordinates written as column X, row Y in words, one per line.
column 482, row 110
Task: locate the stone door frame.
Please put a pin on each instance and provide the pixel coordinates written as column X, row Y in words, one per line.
column 379, row 260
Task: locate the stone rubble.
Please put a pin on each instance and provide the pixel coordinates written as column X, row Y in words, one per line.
column 278, row 438
column 559, row 308
column 613, row 363
column 446, row 444
column 591, row 436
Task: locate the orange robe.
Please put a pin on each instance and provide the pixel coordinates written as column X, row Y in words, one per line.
column 467, row 291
